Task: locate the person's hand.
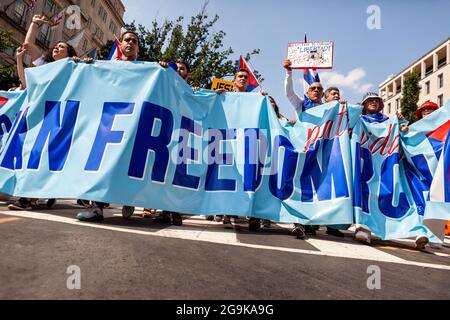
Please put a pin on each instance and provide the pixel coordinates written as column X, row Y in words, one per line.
column 344, row 102
column 404, row 129
column 400, row 116
column 76, row 59
column 88, row 60
column 292, row 122
column 287, row 64
column 195, row 89
column 220, row 91
column 20, row 52
column 39, row 20
column 164, row 64
column 264, row 92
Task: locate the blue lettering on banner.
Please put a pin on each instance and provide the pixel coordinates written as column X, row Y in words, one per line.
column 105, row 134
column 59, row 136
column 253, row 164
column 4, row 121
column 322, row 178
column 385, row 198
column 185, row 153
column 16, row 138
column 287, row 173
column 418, row 182
column 158, row 144
column 362, row 177
column 213, row 182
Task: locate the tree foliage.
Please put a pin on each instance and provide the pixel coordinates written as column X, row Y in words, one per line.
column 197, row 44
column 410, row 92
column 7, row 77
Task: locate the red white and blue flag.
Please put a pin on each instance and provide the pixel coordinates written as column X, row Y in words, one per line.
column 253, row 83
column 309, row 77
column 115, row 53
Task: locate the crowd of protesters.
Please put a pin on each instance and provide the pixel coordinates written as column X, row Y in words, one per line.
column 372, row 106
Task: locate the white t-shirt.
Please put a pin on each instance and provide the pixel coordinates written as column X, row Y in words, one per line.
column 40, row 61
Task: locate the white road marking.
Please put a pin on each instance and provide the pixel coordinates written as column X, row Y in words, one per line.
column 228, row 237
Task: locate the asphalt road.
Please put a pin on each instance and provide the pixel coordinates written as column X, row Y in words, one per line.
column 139, row 259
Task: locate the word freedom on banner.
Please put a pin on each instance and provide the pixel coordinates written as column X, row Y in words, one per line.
column 149, row 140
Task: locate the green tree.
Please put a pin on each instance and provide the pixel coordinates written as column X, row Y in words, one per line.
column 410, row 92
column 197, row 44
column 7, row 76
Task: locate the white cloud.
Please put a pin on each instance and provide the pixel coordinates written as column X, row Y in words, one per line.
column 354, row 80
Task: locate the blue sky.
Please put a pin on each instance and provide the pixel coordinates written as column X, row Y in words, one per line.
column 363, row 58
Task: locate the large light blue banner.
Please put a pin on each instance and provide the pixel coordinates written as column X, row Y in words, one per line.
column 136, row 134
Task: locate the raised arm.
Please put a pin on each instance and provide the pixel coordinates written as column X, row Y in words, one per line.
column 20, row 52
column 294, row 99
column 30, row 39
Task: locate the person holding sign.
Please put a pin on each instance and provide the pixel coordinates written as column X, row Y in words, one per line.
column 314, row 94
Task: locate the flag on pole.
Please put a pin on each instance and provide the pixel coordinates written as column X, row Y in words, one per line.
column 115, row 53
column 58, row 19
column 3, row 101
column 252, row 81
column 309, row 77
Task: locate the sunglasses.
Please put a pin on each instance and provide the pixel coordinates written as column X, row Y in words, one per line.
column 314, row 88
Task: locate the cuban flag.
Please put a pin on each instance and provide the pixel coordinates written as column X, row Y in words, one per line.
column 115, row 53
column 309, row 77
column 252, row 81
column 3, row 101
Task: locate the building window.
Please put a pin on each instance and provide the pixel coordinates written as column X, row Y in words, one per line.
column 85, row 44
column 427, row 87
column 93, row 3
column 44, row 33
column 440, row 100
column 442, row 62
column 389, row 108
column 19, row 12
column 49, row 6
column 397, row 104
column 440, row 80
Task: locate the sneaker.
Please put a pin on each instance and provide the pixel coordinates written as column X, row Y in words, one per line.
column 218, row 218
column 20, row 207
column 127, row 212
column 163, row 218
column 310, row 230
column 421, row 242
column 209, row 218
column 254, row 224
column 93, row 214
column 149, row 213
column 177, row 220
column 363, row 235
column 335, row 233
column 227, row 222
column 50, row 203
column 299, row 232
